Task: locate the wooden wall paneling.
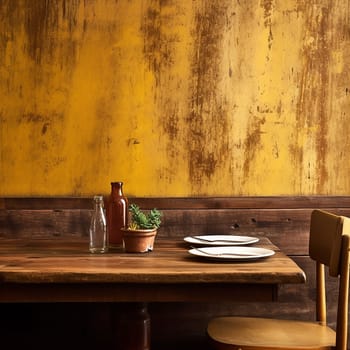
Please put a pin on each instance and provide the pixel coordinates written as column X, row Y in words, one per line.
column 287, row 228
column 241, row 202
column 44, row 223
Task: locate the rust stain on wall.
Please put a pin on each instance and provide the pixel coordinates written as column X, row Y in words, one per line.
column 268, row 6
column 159, row 43
column 313, row 105
column 39, row 46
column 159, row 28
column 205, row 127
column 207, row 133
column 43, row 133
column 44, row 23
column 252, row 142
column 152, row 36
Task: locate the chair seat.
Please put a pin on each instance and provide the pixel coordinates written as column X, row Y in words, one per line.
column 270, row 333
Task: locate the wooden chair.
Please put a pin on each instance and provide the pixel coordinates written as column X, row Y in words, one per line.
column 328, row 246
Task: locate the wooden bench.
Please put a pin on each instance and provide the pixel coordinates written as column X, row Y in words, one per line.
column 284, row 220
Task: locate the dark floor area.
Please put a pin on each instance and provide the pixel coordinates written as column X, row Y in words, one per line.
column 87, row 326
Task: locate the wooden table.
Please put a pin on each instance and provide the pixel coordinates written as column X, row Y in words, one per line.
column 64, row 271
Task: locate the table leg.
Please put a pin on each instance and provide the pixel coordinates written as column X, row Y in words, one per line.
column 133, row 327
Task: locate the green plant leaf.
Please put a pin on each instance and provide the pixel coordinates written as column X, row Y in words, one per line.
column 140, row 220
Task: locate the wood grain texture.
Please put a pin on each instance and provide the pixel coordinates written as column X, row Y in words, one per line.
column 198, row 202
column 50, row 262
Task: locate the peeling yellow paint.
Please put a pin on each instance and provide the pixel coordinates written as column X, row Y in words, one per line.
column 174, row 98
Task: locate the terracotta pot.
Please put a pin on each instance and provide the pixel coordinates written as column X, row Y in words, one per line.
column 138, row 241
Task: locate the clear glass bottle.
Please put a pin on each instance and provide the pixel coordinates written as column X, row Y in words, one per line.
column 98, row 228
column 117, row 214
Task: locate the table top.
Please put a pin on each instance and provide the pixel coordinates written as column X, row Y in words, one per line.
column 38, row 269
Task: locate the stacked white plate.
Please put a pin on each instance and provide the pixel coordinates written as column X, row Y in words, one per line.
column 227, row 247
column 221, row 240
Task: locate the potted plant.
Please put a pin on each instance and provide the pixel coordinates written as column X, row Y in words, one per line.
column 139, row 236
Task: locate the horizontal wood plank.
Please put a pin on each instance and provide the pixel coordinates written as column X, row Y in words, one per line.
column 242, row 202
column 62, row 262
column 286, row 227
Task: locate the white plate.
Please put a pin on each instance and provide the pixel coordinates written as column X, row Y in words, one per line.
column 221, row 240
column 232, row 253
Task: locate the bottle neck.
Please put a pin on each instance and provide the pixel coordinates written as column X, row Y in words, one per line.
column 98, row 202
column 117, row 188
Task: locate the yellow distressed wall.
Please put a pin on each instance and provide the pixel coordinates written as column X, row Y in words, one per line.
column 175, row 97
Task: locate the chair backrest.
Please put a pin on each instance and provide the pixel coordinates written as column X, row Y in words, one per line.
column 325, row 239
column 329, row 246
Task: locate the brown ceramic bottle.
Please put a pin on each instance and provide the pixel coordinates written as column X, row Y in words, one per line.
column 117, row 214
